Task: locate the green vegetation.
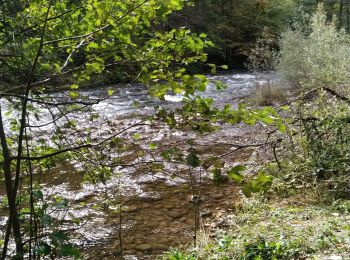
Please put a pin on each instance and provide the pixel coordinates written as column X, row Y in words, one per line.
column 319, row 58
column 268, row 94
column 47, row 42
column 319, row 120
column 234, row 25
column 285, row 229
column 304, row 215
column 293, row 199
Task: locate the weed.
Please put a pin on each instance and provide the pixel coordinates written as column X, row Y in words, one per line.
column 267, row 94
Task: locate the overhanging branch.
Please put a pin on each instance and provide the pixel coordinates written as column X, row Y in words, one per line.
column 76, row 148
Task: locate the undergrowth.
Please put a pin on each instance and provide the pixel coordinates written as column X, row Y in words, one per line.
column 306, row 214
column 284, row 230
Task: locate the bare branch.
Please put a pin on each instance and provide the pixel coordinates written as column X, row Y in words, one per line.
column 79, row 147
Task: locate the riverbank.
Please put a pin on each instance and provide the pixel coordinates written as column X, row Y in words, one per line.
column 299, row 227
column 143, row 208
column 153, row 210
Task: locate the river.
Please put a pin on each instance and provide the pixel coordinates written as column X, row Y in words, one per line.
column 157, row 209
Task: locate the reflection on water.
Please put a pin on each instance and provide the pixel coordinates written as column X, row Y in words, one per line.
column 238, row 85
column 157, row 211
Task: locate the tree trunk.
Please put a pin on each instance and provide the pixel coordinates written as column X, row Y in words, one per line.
column 13, row 216
column 341, row 8
column 348, row 17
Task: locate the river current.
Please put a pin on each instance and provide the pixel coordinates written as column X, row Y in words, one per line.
column 156, row 206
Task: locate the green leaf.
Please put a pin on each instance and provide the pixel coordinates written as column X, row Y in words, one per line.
column 201, row 77
column 58, row 238
column 220, row 85
column 57, row 67
column 237, row 169
column 213, row 68
column 136, row 136
column 152, row 146
column 43, row 249
column 262, row 182
column 136, row 104
column 247, row 190
column 225, row 67
column 217, row 176
column 70, row 250
column 61, row 204
column 46, row 66
column 110, row 92
column 38, row 195
column 193, row 160
column 282, row 128
column 46, row 220
column 166, row 155
column 94, row 116
column 73, row 94
column 259, row 184
column 235, row 173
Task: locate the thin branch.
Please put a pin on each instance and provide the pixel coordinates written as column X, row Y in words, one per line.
column 79, row 147
column 61, row 103
column 97, row 30
column 25, row 101
column 41, row 22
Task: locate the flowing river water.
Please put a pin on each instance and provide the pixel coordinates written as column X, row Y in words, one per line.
column 140, row 212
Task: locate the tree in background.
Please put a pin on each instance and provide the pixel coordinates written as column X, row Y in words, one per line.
column 316, row 57
column 315, row 60
column 234, row 26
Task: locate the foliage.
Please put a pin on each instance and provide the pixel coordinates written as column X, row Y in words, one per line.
column 333, row 8
column 234, row 26
column 268, row 94
column 279, row 230
column 178, row 255
column 262, row 249
column 262, row 56
column 260, row 183
column 315, row 152
column 43, row 43
column 47, row 42
column 319, row 58
column 97, row 36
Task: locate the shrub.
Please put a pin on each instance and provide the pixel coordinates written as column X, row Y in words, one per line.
column 263, row 56
column 268, row 94
column 316, row 152
column 318, row 58
column 262, row 249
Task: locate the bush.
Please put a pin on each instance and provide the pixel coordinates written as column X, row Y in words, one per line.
column 263, row 56
column 268, row 94
column 262, row 249
column 316, row 152
column 318, row 58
